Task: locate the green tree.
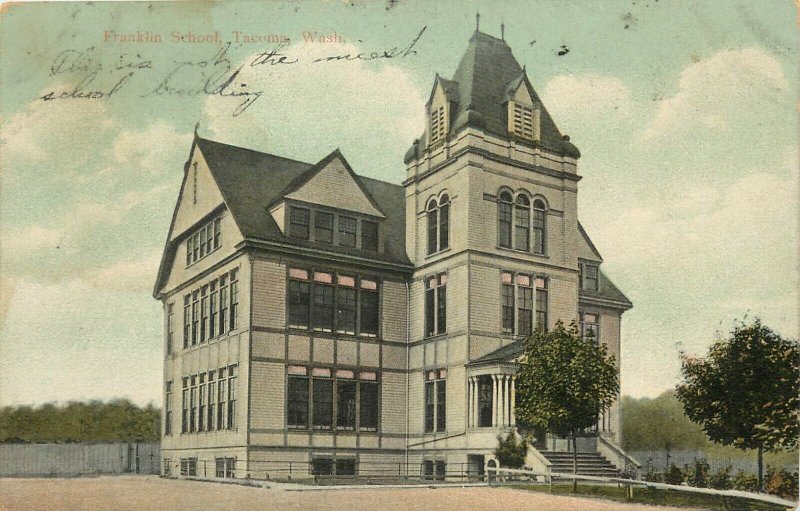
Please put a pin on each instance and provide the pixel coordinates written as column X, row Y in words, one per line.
column 511, row 452
column 659, row 423
column 563, row 383
column 746, row 391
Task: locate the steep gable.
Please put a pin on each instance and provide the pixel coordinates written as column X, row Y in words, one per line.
column 198, row 197
column 586, row 249
column 334, row 184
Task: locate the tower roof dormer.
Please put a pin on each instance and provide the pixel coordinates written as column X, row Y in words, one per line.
column 486, row 79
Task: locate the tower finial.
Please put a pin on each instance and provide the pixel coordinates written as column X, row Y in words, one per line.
column 502, row 31
column 477, row 20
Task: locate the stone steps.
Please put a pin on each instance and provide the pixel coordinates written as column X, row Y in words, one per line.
column 593, row 464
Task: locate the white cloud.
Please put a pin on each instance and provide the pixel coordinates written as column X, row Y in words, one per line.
column 310, row 108
column 586, row 94
column 46, row 128
column 727, row 88
column 150, row 149
column 137, row 275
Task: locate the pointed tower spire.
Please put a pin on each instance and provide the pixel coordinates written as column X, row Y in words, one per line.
column 502, row 31
column 477, row 20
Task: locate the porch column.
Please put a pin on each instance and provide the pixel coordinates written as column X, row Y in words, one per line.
column 494, row 400
column 513, row 399
column 503, row 401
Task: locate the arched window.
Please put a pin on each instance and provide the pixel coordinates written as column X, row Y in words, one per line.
column 505, row 208
column 438, row 213
column 522, row 215
column 539, row 213
column 444, row 222
column 432, row 236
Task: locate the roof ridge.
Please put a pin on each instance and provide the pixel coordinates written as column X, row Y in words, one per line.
column 217, row 142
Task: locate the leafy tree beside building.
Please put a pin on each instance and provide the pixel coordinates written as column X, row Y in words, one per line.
column 746, row 391
column 564, row 383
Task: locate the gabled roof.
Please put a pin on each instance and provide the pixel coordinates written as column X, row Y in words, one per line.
column 486, row 71
column 250, row 181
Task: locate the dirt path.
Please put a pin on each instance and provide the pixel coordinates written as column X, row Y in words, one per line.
column 143, row 493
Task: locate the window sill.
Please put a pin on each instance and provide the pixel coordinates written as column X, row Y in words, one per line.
column 202, row 258
column 221, row 337
column 435, row 336
column 327, row 333
column 518, row 251
column 438, row 253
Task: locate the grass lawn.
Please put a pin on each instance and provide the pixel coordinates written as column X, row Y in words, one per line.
column 658, row 497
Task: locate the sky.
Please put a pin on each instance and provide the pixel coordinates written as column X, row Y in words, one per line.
column 685, row 113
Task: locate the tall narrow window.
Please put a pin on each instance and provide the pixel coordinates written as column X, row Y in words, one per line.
column 323, row 227
column 441, row 305
column 369, row 236
column 222, row 392
column 541, row 304
column 522, row 219
column 347, row 231
column 298, row 223
column 185, row 406
column 444, row 222
column 436, row 400
column 539, row 212
column 368, row 408
column 187, row 319
column 201, row 403
column 346, row 305
column 507, row 283
column 441, row 401
column 438, row 124
column 345, row 401
column 195, row 316
column 223, row 304
column 299, row 298
column 232, row 397
column 432, row 223
column 525, row 304
column 203, row 313
column 212, row 399
column 202, row 242
column 322, row 302
column 323, row 399
column 170, row 326
column 369, row 305
column 214, row 311
column 505, row 211
column 193, row 404
column 297, row 416
column 436, row 305
column 430, row 403
column 234, row 289
column 168, row 409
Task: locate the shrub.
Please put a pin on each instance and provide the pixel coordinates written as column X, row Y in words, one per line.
column 697, row 475
column 745, row 481
column 674, row 475
column 781, row 482
column 511, row 452
column 652, row 476
column 721, row 480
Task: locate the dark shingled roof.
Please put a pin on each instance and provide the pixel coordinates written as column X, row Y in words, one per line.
column 606, row 290
column 487, row 72
column 250, row 181
column 507, row 353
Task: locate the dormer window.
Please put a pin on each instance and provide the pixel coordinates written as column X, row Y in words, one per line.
column 347, row 231
column 369, row 235
column 298, row 223
column 323, row 227
column 523, row 121
column 588, row 276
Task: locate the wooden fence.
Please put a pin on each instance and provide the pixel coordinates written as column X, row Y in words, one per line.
column 54, row 460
